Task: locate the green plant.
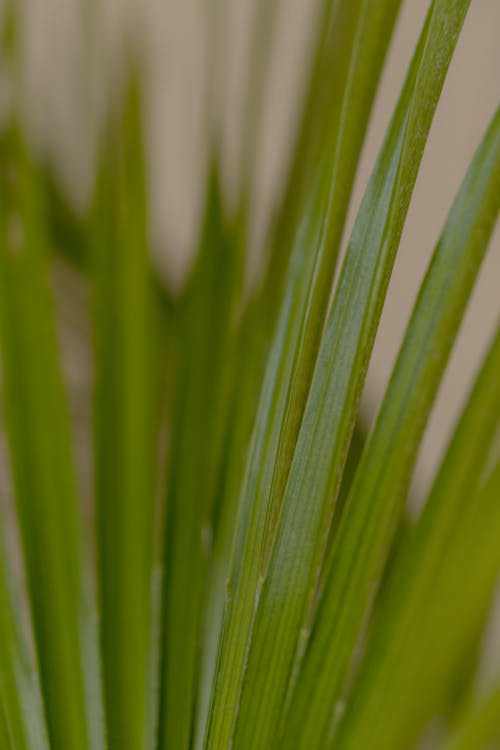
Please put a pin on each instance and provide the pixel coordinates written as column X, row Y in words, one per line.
column 275, row 596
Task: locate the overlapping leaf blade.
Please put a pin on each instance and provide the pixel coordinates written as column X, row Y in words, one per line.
column 445, row 628
column 124, row 430
column 309, row 249
column 480, row 727
column 274, row 682
column 356, row 51
column 406, row 601
column 289, row 585
column 207, row 328
column 42, row 463
column 242, row 405
column 20, row 703
column 379, row 490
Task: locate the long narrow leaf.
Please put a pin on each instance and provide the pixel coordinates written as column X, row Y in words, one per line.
column 446, row 626
column 355, row 85
column 40, row 448
column 480, row 727
column 20, row 701
column 203, row 389
column 288, row 587
column 360, row 37
column 377, row 497
column 412, row 582
column 242, row 408
column 124, row 402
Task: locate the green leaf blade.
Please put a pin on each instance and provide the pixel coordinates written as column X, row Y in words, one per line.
column 40, row 442
column 20, row 703
column 411, row 586
column 124, row 432
column 289, row 585
column 207, row 332
column 294, row 349
column 447, row 617
column 480, row 727
column 379, row 490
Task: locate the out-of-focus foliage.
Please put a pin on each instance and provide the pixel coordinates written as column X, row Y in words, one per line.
column 250, row 579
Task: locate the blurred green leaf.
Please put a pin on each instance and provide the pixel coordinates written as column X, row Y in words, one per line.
column 480, row 727
column 42, row 463
column 259, row 581
column 124, row 431
column 20, row 705
column 205, row 331
column 445, row 626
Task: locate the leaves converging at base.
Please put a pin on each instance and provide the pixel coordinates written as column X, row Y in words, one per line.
column 297, row 608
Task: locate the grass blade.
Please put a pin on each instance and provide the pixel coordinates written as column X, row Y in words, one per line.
column 5, row 737
column 409, row 588
column 40, row 449
column 338, row 102
column 447, row 623
column 376, row 503
column 290, row 331
column 480, row 727
column 316, row 470
column 124, row 427
column 206, row 330
column 243, row 406
column 357, row 26
column 20, row 703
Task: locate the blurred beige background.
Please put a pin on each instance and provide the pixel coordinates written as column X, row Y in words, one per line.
column 179, row 37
